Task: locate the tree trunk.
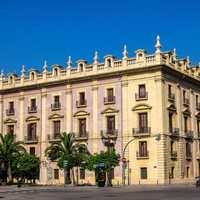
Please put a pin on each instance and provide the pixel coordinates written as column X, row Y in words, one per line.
column 73, row 177
column 67, row 176
column 9, row 172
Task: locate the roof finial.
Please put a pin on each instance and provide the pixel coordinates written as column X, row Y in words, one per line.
column 23, row 71
column 69, row 62
column 45, row 66
column 158, row 44
column 96, row 57
column 188, row 60
column 2, row 73
column 125, row 52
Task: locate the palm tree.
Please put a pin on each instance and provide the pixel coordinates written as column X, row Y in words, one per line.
column 67, row 150
column 9, row 149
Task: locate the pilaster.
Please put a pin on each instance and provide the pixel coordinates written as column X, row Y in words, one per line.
column 1, row 113
column 21, row 135
column 69, row 116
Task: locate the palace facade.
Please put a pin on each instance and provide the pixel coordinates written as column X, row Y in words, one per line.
column 150, row 102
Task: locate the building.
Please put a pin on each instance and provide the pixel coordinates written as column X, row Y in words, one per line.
column 151, row 102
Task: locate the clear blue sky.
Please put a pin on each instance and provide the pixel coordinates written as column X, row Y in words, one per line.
column 34, row 30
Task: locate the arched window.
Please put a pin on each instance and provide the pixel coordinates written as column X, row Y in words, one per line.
column 11, row 79
column 32, row 75
column 81, row 67
column 56, row 72
column 109, row 63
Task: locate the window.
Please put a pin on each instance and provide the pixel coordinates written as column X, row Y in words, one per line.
column 143, row 173
column 56, row 72
column 184, row 95
column 142, row 91
column 56, row 104
column 82, row 127
column 56, row 174
column 33, row 103
column 56, row 128
column 110, row 94
column 32, row 151
column 172, row 146
column 10, row 129
column 57, row 99
column 170, row 122
column 32, row 76
column 81, row 67
column 11, row 106
column 188, row 172
column 172, row 172
column 169, row 90
column 82, row 173
column 110, row 124
column 198, row 127
column 143, row 122
column 32, row 131
column 109, row 64
column 143, row 148
column 197, row 100
column 188, row 150
column 82, row 98
column 185, row 124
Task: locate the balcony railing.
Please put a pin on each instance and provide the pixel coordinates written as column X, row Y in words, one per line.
column 186, row 102
column 31, row 139
column 171, row 97
column 139, row 97
column 82, row 135
column 174, row 155
column 175, row 132
column 10, row 111
column 109, row 133
column 54, row 137
column 56, row 106
column 80, row 104
column 142, row 155
column 189, row 155
column 145, row 131
column 32, row 109
column 198, row 106
column 109, row 100
column 189, row 134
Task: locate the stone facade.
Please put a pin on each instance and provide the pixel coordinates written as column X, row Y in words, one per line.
column 155, row 104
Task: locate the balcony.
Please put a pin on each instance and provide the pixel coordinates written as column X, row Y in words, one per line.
column 55, row 106
column 137, row 132
column 32, row 109
column 189, row 134
column 189, row 156
column 139, row 97
column 171, row 97
column 31, row 139
column 54, row 137
column 198, row 106
column 142, row 155
column 186, row 102
column 82, row 136
column 109, row 133
column 109, row 100
column 10, row 112
column 174, row 155
column 81, row 104
column 175, row 132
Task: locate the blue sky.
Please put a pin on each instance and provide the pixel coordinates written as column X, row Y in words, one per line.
column 35, row 30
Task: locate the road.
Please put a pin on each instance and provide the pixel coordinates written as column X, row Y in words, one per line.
column 171, row 192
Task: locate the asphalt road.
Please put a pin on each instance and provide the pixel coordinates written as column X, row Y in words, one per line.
column 174, row 192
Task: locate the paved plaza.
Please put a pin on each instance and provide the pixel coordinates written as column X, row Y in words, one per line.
column 172, row 192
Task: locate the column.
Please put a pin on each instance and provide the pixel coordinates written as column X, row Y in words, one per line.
column 69, row 105
column 21, row 134
column 94, row 136
column 43, row 138
column 1, row 114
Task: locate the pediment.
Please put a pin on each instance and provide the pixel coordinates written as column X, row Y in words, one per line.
column 81, row 113
column 109, row 110
column 55, row 116
column 32, row 118
column 172, row 107
column 142, row 106
column 9, row 121
column 187, row 112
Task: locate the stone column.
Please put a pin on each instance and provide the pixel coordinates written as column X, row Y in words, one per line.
column 21, row 134
column 43, row 138
column 1, row 114
column 95, row 133
column 69, row 114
